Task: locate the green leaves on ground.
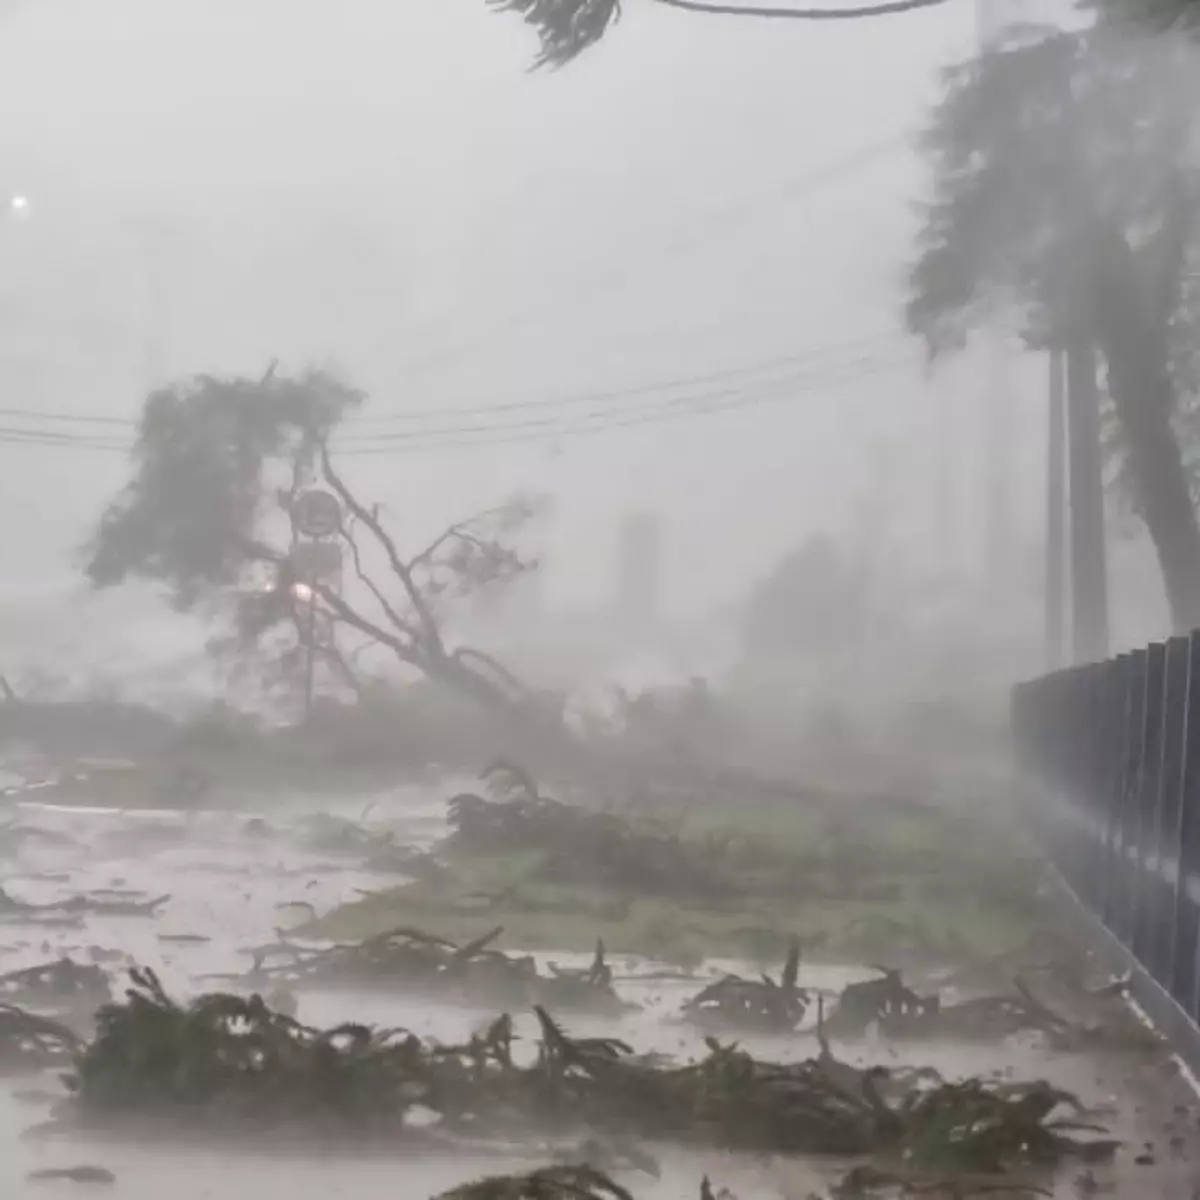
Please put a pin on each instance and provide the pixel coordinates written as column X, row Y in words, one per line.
column 227, row 1064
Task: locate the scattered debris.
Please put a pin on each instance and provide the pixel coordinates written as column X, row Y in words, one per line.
column 32, row 1042
column 897, row 1012
column 415, row 962
column 754, row 1005
column 378, row 849
column 548, row 1183
column 96, row 905
column 99, row 1175
column 885, row 1001
column 583, row 845
column 229, row 1060
column 60, row 986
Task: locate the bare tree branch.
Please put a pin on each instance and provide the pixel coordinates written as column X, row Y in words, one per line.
column 431, row 635
column 460, row 530
column 466, row 654
column 407, row 652
column 376, row 591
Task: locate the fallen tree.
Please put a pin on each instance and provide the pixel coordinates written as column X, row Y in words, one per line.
column 220, row 467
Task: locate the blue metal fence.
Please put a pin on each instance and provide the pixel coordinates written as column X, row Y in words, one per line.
column 1116, row 748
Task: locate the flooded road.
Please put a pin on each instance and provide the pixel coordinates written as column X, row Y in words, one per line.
column 233, row 880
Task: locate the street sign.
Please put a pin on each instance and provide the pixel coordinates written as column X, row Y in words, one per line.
column 316, row 514
column 316, row 562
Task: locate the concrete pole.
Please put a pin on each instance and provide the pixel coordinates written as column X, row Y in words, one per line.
column 1056, row 513
column 1089, row 568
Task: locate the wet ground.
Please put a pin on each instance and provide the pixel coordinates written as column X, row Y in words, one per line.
column 233, row 882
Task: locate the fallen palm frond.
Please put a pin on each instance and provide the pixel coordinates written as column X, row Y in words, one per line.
column 754, row 1005
column 583, row 845
column 556, row 1183
column 885, row 1001
column 74, row 906
column 897, row 1012
column 63, row 985
column 32, row 1042
column 900, row 1182
column 548, row 1183
column 89, row 1174
column 415, row 962
column 378, row 849
column 227, row 1063
column 224, row 1060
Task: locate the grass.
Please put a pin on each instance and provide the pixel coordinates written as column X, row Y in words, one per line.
column 898, row 887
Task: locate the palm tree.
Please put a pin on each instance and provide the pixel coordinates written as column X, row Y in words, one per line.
column 1064, row 195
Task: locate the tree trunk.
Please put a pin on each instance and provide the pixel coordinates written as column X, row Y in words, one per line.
column 1089, row 568
column 1135, row 347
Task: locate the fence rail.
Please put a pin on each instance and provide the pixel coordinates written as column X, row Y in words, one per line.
column 1115, row 747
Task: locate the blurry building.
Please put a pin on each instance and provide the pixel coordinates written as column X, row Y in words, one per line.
column 638, row 573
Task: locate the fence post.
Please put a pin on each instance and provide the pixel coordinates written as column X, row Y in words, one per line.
column 1167, row 834
column 1123, row 915
column 1182, row 981
column 1116, row 748
column 1094, row 684
column 1145, row 896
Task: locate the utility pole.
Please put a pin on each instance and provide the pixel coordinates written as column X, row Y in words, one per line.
column 1089, row 568
column 1056, row 512
column 999, row 418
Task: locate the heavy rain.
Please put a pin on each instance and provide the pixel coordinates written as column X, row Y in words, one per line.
column 600, row 599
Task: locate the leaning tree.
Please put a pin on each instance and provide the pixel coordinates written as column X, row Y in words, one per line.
column 1066, row 198
column 218, row 465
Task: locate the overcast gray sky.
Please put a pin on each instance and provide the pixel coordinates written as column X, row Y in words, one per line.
column 383, row 185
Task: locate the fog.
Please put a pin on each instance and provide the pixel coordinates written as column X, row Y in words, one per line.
column 694, row 525
column 389, row 191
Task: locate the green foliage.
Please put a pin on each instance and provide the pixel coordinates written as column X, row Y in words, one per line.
column 227, row 1059
column 226, row 1064
column 548, row 1183
column 754, row 1005
column 862, row 882
column 416, row 963
column 1035, row 147
column 189, row 518
column 584, row 845
column 565, row 28
column 29, row 1041
column 1148, row 16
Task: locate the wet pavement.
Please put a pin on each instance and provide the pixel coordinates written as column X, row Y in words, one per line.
column 235, row 878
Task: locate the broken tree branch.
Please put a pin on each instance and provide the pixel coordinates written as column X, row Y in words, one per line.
column 431, row 635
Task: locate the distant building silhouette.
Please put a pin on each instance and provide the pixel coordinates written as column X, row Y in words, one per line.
column 639, row 572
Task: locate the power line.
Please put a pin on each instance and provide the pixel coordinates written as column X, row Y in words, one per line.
column 735, row 402
column 617, row 393
column 889, row 8
column 676, row 408
column 788, row 380
column 740, row 370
